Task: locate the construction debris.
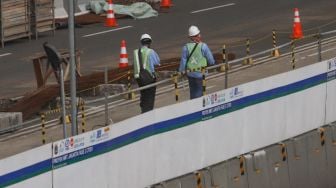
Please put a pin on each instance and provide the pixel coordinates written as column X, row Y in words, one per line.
column 15, row 20
column 137, row 10
column 10, row 121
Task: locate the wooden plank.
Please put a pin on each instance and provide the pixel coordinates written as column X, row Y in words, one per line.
column 15, row 19
column 42, row 16
column 38, row 72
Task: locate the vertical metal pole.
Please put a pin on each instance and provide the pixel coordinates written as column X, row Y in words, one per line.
column 319, row 47
column 203, row 81
column 225, row 61
column 71, row 24
column 63, row 101
column 83, row 115
column 105, row 95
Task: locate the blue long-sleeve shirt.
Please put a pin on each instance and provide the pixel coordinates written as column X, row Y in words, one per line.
column 153, row 60
column 206, row 52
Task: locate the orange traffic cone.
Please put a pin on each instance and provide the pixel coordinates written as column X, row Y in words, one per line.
column 165, row 3
column 297, row 28
column 110, row 19
column 123, row 55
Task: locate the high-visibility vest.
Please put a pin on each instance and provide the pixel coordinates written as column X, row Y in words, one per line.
column 145, row 61
column 197, row 61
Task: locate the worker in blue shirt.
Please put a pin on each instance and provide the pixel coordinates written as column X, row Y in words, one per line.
column 196, row 55
column 149, row 59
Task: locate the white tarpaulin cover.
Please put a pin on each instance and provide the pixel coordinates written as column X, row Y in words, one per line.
column 138, row 10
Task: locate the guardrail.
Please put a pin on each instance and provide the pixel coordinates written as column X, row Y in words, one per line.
column 169, row 84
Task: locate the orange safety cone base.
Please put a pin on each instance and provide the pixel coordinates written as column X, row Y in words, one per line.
column 297, row 35
column 123, row 65
column 166, row 3
column 111, row 23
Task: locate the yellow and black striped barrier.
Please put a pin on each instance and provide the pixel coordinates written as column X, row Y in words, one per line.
column 131, row 95
column 242, row 165
column 54, row 111
column 83, row 116
column 67, row 119
column 322, row 136
column 43, row 128
column 293, row 53
column 199, row 179
column 223, row 67
column 176, row 87
column 203, row 81
column 275, row 52
column 283, row 152
column 249, row 60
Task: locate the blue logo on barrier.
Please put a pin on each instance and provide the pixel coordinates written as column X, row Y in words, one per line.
column 99, row 133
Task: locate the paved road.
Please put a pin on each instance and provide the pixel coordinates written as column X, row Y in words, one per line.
column 221, row 21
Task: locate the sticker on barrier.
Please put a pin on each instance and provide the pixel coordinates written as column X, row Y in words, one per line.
column 75, row 148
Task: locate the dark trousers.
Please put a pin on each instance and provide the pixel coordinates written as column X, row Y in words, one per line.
column 195, row 87
column 147, row 99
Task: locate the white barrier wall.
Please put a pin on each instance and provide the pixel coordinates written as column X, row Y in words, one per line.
column 28, row 169
column 191, row 135
column 331, row 91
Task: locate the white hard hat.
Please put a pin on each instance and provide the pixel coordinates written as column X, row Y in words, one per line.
column 193, row 31
column 145, row 36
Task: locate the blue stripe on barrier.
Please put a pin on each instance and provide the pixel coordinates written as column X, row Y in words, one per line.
column 25, row 173
column 160, row 127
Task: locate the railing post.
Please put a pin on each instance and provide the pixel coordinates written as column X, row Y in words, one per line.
column 106, row 96
column 176, row 87
column 43, row 128
column 83, row 115
column 293, row 53
column 130, row 94
column 319, row 46
column 225, row 61
column 199, row 179
column 248, row 60
column 275, row 52
column 203, row 81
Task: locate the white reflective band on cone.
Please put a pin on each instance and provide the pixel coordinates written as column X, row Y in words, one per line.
column 123, row 50
column 297, row 20
column 110, row 16
column 123, row 60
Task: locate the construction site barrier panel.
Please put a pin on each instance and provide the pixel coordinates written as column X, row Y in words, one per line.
column 28, row 169
column 331, row 154
column 185, row 137
column 331, row 91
